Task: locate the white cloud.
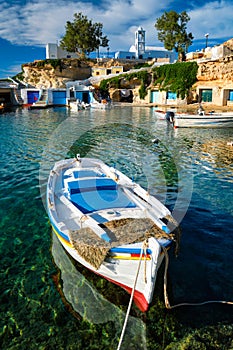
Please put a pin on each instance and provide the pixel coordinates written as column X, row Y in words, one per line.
column 214, row 18
column 10, row 70
column 41, row 21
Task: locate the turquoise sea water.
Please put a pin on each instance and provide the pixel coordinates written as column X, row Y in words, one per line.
column 48, row 302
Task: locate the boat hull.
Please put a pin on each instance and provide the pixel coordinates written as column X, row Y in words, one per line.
column 205, row 121
column 142, row 300
column 129, row 262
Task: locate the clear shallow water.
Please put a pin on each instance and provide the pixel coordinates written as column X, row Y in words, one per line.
column 189, row 170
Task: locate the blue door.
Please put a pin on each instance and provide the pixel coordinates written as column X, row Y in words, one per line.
column 59, row 98
column 230, row 95
column 83, row 96
column 32, row 96
column 154, row 96
column 206, row 95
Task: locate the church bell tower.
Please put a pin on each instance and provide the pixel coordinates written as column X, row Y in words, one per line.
column 140, row 42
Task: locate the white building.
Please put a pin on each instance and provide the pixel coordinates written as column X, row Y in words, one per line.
column 53, row 51
column 137, row 51
column 140, row 51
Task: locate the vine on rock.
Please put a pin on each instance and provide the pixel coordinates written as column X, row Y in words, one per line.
column 177, row 77
column 115, row 82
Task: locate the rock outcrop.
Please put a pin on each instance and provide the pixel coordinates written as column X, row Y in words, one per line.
column 55, row 73
column 217, row 71
column 212, row 73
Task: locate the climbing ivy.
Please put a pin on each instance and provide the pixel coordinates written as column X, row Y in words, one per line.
column 177, row 77
column 115, row 82
column 142, row 91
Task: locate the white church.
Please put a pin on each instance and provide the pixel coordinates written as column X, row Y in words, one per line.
column 138, row 51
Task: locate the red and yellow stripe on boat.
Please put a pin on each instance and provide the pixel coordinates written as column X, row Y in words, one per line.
column 129, row 254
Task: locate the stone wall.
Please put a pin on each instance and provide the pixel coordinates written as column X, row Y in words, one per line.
column 217, row 71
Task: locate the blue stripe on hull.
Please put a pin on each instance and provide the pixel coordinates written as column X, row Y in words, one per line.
column 128, row 250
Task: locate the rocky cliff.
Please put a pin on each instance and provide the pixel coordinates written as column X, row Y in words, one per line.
column 217, row 71
column 55, row 73
column 215, row 74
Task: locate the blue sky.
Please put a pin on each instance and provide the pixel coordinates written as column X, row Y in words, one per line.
column 26, row 26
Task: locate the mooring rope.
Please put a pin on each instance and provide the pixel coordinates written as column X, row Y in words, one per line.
column 167, row 303
column 166, row 300
column 132, row 295
column 145, row 246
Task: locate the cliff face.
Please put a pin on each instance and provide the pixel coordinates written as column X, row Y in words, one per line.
column 216, row 72
column 55, row 73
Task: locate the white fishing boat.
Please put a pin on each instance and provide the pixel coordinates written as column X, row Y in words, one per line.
column 160, row 114
column 103, row 104
column 211, row 120
column 201, row 119
column 78, row 105
column 109, row 224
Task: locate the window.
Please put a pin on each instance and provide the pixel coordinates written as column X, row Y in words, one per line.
column 171, row 95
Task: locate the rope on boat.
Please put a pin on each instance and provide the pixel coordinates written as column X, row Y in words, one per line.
column 167, row 303
column 144, row 245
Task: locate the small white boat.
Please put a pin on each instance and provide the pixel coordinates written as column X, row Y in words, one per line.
column 214, row 120
column 160, row 114
column 40, row 105
column 200, row 120
column 78, row 105
column 109, row 224
column 103, row 104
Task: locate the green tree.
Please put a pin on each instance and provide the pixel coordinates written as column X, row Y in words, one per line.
column 83, row 36
column 172, row 31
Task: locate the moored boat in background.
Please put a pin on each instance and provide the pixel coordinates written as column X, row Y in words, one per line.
column 103, row 104
column 210, row 120
column 78, row 105
column 198, row 120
